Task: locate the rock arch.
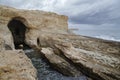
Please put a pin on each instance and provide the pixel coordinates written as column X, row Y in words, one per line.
column 18, row 27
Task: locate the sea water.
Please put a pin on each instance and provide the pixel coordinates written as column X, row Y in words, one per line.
column 45, row 71
column 108, row 34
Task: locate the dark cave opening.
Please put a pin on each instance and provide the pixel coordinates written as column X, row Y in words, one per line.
column 18, row 30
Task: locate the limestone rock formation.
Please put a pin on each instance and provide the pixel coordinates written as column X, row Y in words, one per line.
column 48, row 33
column 98, row 65
column 33, row 20
column 59, row 63
column 97, row 58
column 14, row 65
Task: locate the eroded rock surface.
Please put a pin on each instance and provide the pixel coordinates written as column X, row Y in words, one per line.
column 59, row 63
column 103, row 66
column 96, row 58
column 12, row 35
column 15, row 65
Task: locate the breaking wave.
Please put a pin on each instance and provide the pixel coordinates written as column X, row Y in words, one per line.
column 106, row 37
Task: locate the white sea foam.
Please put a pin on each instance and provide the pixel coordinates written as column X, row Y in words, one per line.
column 106, row 37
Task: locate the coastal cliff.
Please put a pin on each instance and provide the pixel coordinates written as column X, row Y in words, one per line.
column 47, row 33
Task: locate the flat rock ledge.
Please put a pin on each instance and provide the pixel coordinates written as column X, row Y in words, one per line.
column 15, row 65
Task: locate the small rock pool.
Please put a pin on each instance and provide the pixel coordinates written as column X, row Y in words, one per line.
column 45, row 72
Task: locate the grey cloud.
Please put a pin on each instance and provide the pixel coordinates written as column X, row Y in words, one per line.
column 97, row 18
column 98, row 15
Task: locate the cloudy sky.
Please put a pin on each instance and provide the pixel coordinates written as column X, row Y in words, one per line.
column 90, row 14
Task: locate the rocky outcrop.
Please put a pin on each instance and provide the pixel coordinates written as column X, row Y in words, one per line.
column 34, row 20
column 59, row 63
column 94, row 64
column 48, row 33
column 96, row 58
column 12, row 22
column 15, row 65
